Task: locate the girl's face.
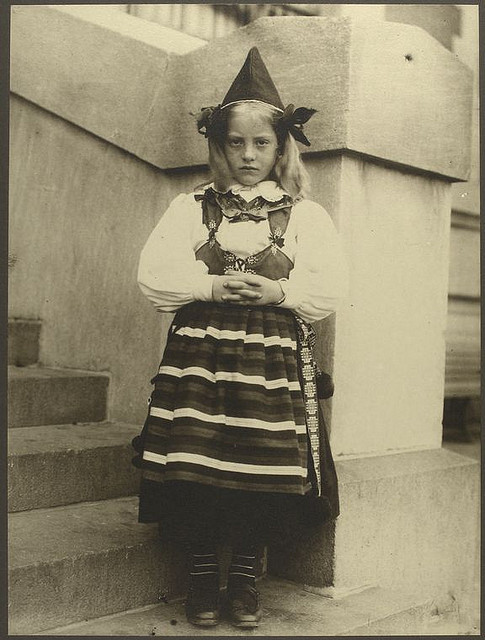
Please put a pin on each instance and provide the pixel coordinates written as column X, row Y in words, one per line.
column 250, row 147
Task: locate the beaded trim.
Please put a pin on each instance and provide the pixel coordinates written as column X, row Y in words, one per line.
column 276, row 240
column 212, row 233
column 233, row 263
column 307, row 339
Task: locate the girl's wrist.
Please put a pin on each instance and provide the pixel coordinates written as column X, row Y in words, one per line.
column 283, row 295
column 202, row 287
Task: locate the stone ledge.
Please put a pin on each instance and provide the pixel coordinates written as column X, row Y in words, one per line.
column 289, row 611
column 408, row 521
column 377, row 468
column 72, row 563
column 95, row 457
column 43, row 396
column 411, row 107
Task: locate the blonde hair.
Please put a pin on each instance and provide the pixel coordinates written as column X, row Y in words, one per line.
column 288, row 171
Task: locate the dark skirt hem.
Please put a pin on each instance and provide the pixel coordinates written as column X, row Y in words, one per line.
column 190, row 513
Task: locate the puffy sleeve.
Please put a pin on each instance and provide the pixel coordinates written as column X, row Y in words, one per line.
column 168, row 273
column 319, row 278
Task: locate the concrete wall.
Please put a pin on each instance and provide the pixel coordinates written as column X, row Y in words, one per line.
column 390, row 344
column 81, row 210
column 387, row 351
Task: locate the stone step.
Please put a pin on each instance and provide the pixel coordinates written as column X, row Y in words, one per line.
column 43, row 396
column 77, row 562
column 23, row 341
column 289, row 610
column 64, row 464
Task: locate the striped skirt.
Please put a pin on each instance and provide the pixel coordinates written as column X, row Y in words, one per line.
column 227, row 408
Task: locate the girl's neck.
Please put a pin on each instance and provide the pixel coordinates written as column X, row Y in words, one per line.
column 233, row 186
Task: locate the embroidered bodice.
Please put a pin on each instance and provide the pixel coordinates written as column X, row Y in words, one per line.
column 270, row 262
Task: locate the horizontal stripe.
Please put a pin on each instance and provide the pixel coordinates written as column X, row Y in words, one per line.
column 284, row 442
column 203, row 395
column 291, row 458
column 234, row 446
column 154, row 457
column 229, row 376
column 228, row 334
column 200, row 475
column 233, row 360
column 223, row 465
column 166, row 436
column 230, row 421
column 269, row 406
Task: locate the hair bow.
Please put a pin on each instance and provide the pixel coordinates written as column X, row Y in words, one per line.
column 206, row 119
column 292, row 120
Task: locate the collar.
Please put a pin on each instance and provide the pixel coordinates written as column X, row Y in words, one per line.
column 267, row 189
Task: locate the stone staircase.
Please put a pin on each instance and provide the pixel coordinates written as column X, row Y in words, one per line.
column 79, row 562
column 76, row 551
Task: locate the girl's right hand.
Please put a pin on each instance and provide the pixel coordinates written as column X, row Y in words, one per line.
column 224, row 289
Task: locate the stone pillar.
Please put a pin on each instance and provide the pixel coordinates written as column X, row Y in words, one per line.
column 388, row 350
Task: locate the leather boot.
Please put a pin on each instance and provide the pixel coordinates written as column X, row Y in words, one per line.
column 243, row 606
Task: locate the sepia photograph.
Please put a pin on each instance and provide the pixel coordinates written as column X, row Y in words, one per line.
column 244, row 320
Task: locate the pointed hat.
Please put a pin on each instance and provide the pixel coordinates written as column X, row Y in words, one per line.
column 254, row 84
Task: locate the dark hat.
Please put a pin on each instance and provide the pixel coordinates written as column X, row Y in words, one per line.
column 254, row 84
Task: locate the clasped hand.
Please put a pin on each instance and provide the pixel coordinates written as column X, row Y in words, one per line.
column 237, row 287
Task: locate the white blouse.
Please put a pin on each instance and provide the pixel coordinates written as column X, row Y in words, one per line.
column 171, row 277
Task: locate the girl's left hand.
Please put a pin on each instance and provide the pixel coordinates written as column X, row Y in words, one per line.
column 269, row 291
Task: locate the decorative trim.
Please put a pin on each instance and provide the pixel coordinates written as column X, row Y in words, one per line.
column 229, row 104
column 306, row 338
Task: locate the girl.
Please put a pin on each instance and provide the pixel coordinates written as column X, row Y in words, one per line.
column 234, row 445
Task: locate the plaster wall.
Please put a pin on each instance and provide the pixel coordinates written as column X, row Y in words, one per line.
column 80, row 212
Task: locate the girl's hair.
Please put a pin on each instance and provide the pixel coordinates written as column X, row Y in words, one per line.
column 288, row 170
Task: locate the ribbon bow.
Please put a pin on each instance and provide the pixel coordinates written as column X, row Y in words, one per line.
column 238, row 215
column 235, row 209
column 207, row 120
column 293, row 120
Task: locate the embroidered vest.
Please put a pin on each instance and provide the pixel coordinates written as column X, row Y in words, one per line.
column 270, row 262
